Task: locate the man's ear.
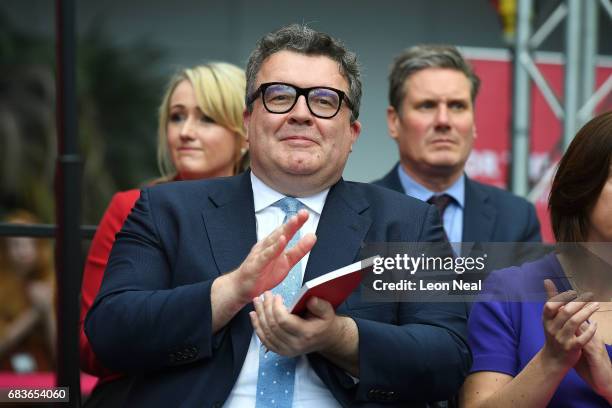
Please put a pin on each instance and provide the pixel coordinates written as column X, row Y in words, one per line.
column 355, row 131
column 246, row 118
column 392, row 122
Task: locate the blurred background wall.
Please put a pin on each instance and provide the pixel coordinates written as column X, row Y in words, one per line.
column 128, row 48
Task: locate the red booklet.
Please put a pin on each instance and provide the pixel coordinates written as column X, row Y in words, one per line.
column 334, row 286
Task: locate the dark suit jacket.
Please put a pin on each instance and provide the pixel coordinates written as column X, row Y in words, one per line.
column 490, row 214
column 152, row 316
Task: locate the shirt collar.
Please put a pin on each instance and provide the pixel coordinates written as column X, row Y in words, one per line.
column 264, row 196
column 414, row 189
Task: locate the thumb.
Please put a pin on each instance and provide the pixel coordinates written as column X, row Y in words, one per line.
column 551, row 289
column 319, row 307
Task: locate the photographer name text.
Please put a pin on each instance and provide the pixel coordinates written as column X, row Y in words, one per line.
column 423, row 285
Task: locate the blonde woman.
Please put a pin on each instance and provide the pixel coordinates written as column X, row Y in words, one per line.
column 201, row 135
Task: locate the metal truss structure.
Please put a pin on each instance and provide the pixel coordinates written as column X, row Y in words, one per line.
column 579, row 99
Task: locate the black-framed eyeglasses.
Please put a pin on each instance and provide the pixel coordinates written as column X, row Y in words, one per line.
column 322, row 101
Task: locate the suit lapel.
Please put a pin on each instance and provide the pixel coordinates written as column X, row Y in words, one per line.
column 478, row 214
column 341, row 231
column 230, row 225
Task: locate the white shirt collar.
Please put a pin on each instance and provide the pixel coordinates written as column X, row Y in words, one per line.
column 416, row 190
column 264, row 196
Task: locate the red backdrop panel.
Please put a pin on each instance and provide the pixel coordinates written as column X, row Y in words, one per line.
column 490, row 157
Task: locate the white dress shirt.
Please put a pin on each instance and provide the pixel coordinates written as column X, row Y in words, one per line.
column 309, row 391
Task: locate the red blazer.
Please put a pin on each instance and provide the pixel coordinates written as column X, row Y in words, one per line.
column 97, row 258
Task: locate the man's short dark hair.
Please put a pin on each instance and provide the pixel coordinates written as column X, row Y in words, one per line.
column 422, row 57
column 304, row 40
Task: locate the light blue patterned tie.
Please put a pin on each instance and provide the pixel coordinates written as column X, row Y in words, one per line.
column 277, row 373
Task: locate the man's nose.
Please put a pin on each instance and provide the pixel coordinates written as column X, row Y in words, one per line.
column 300, row 112
column 442, row 117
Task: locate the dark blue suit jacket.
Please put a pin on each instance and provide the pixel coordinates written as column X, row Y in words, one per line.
column 152, row 317
column 490, row 214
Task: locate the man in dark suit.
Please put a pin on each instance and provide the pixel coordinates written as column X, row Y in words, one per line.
column 192, row 300
column 432, row 90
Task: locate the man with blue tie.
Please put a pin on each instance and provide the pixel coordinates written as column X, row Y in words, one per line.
column 193, row 302
column 432, row 90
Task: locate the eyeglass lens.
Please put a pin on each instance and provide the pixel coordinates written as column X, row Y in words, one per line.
column 323, row 102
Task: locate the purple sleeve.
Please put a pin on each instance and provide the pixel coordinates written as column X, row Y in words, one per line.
column 493, row 338
column 492, row 333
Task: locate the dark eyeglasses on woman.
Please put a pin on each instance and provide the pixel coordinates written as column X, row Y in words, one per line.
column 322, row 101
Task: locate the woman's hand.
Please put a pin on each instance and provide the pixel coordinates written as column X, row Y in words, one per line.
column 563, row 314
column 594, row 365
column 535, row 385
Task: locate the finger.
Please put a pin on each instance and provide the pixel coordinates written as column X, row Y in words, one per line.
column 288, row 324
column 551, row 288
column 271, row 328
column 567, row 310
column 580, row 316
column 554, row 303
column 275, row 243
column 294, row 223
column 582, row 328
column 256, row 324
column 259, row 330
column 557, row 313
column 587, row 335
column 268, row 304
column 261, row 316
column 262, row 330
column 270, row 239
column 260, row 334
column 564, row 297
column 303, row 246
column 302, row 216
column 273, row 248
column 280, row 235
column 264, row 256
column 320, row 308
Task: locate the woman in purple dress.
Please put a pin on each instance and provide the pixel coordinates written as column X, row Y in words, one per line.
column 554, row 352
